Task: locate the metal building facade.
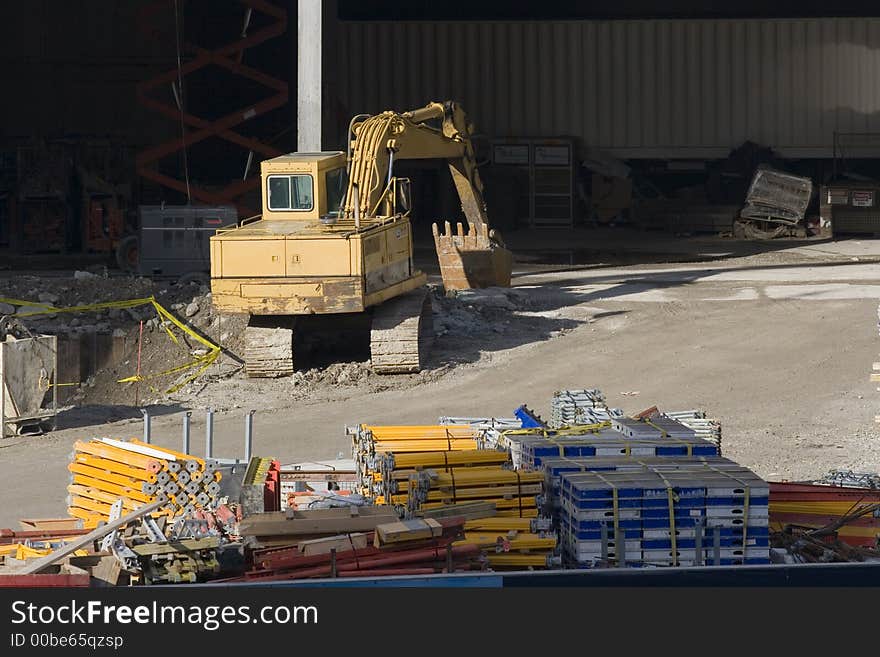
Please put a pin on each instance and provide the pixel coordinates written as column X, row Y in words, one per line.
column 659, row 88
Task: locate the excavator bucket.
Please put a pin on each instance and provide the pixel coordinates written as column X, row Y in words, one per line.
column 472, row 259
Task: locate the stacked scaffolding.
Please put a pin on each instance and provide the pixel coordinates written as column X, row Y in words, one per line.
column 105, row 470
column 676, row 514
column 702, row 426
column 452, row 482
column 579, row 407
column 368, row 441
column 529, row 447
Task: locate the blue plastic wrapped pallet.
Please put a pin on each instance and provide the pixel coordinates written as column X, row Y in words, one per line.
column 677, row 513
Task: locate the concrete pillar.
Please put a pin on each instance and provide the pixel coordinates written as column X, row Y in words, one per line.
column 308, row 75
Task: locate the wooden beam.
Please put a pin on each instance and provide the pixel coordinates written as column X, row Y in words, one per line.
column 185, row 545
column 39, row 564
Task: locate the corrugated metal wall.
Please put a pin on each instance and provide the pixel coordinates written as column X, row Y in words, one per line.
column 637, row 88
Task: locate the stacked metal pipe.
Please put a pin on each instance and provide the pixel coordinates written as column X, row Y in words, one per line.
column 585, row 406
column 702, row 426
column 106, row 470
column 514, row 493
column 513, row 542
column 433, row 479
column 368, row 441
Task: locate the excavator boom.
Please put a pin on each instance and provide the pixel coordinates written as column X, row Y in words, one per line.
column 475, row 257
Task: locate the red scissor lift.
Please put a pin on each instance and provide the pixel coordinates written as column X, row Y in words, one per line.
column 227, row 127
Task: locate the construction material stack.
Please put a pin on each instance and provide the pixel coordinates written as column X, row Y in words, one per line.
column 643, row 491
column 577, row 407
column 448, row 476
column 106, row 470
column 682, row 513
column 701, row 424
column 389, row 547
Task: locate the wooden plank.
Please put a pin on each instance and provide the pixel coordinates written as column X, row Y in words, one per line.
column 316, row 522
column 83, row 541
column 358, row 541
column 468, row 511
column 38, row 524
column 107, row 570
column 185, row 545
column 406, row 530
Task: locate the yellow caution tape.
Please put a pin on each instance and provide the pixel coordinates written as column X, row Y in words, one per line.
column 47, row 309
column 200, row 362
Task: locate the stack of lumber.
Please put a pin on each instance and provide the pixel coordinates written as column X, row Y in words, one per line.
column 852, row 511
column 412, row 547
column 678, row 513
column 105, row 470
column 294, row 526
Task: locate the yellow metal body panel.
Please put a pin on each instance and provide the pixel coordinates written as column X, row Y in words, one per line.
column 254, row 290
column 318, row 257
column 290, row 263
column 252, row 258
column 288, row 296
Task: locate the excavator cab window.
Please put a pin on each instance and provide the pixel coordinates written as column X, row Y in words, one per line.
column 291, row 192
column 336, row 181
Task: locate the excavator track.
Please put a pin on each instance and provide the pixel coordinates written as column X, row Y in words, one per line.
column 268, row 351
column 402, row 333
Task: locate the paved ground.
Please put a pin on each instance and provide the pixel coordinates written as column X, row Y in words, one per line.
column 777, row 345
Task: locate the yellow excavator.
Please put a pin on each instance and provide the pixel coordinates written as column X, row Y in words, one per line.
column 333, row 249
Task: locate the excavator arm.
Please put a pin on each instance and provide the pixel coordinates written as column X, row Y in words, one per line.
column 475, row 258
column 381, row 140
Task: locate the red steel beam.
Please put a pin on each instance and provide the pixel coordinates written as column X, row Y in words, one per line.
column 45, row 580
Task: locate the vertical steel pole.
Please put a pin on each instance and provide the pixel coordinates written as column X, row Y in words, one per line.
column 209, row 434
column 186, row 419
column 146, row 414
column 248, row 435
